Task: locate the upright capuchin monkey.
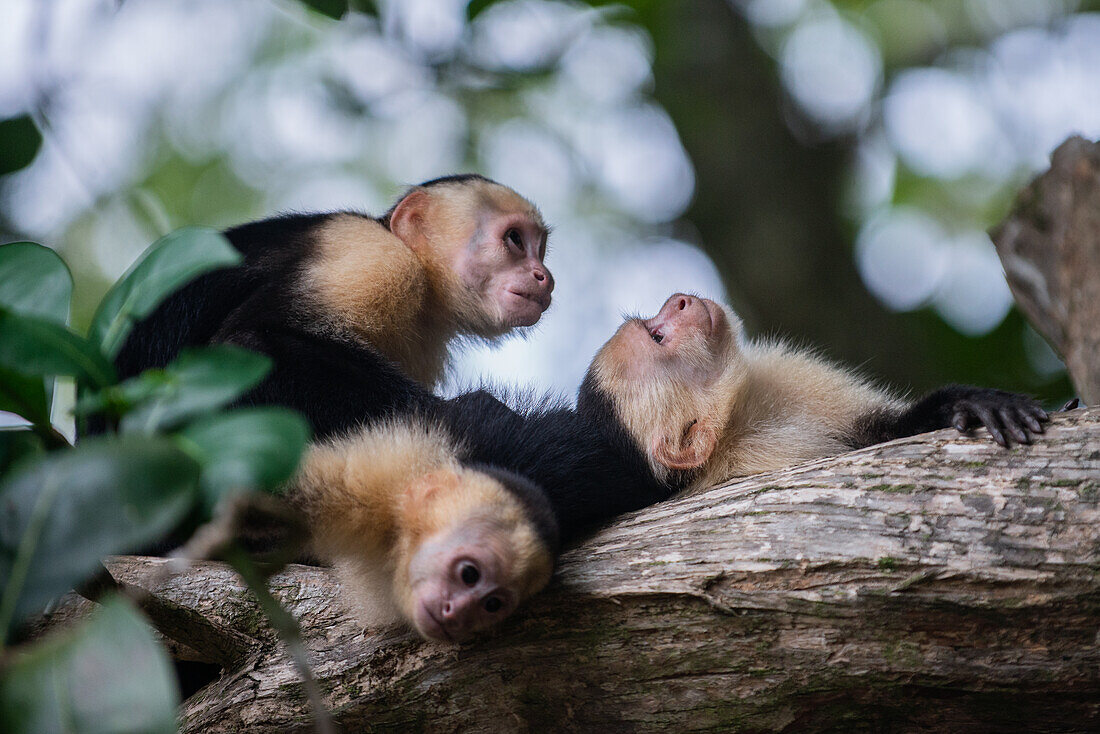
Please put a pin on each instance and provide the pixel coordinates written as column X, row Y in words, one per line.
column 705, row 404
column 455, row 256
column 418, row 535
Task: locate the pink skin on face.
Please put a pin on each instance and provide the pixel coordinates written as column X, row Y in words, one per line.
column 458, row 592
column 681, row 314
column 682, row 318
column 504, row 264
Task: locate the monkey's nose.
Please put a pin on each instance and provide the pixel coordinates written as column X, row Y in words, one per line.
column 454, row 608
column 678, row 302
column 544, row 279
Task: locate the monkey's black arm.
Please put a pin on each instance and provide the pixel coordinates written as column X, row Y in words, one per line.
column 1008, row 416
column 336, row 386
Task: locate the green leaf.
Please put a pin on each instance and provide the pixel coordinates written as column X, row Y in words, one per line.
column 21, row 143
column 331, row 8
column 250, row 448
column 34, row 346
column 106, row 676
column 65, row 511
column 17, row 443
column 24, row 396
column 169, row 264
column 474, row 8
column 34, row 281
column 198, row 381
column 366, row 7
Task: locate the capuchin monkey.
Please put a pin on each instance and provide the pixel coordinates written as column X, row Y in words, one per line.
column 448, row 514
column 459, row 256
column 705, row 404
column 416, row 534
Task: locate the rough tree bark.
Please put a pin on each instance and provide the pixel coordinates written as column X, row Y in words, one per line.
column 934, row 582
column 1050, row 248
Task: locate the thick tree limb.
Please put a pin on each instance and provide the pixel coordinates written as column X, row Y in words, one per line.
column 1050, row 248
column 937, row 581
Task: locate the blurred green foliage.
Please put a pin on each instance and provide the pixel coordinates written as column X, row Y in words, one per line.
column 171, row 453
column 769, row 205
column 772, row 203
column 107, row 675
column 19, row 143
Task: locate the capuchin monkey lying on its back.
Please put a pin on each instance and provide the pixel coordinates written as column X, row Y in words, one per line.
column 705, row 404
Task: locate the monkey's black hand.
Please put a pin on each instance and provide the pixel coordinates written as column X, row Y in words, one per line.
column 1006, row 415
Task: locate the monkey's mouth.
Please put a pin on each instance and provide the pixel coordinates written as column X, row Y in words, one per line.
column 543, row 302
column 436, row 629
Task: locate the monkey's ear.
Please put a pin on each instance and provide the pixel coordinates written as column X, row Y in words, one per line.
column 424, row 489
column 689, row 450
column 407, row 218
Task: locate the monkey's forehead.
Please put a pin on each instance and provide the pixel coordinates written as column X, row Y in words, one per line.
column 507, row 200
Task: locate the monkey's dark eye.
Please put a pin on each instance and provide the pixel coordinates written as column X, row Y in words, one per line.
column 514, row 237
column 493, row 605
column 470, row 575
column 657, row 337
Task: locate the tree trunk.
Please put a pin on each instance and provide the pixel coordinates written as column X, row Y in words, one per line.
column 938, row 582
column 1050, row 248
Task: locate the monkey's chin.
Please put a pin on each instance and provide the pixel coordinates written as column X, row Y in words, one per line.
column 518, row 310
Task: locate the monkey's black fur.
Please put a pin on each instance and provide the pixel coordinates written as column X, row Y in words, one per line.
column 273, row 251
column 534, row 500
column 586, row 464
column 338, row 384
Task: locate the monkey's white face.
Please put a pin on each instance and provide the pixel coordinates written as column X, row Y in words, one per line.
column 660, row 373
column 486, row 244
column 459, row 584
column 501, row 265
column 686, row 341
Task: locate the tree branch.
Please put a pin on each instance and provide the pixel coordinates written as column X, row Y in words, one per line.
column 937, row 581
column 1050, row 248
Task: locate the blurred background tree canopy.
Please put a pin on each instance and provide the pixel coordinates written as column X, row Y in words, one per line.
column 829, row 168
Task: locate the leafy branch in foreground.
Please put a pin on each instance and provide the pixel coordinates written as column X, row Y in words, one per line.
column 173, row 456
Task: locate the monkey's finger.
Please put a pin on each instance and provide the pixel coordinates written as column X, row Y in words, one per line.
column 1071, row 405
column 1029, row 420
column 961, row 419
column 989, row 420
column 1008, row 420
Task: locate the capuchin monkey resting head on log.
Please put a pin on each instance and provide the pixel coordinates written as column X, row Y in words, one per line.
column 706, row 404
column 416, row 535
